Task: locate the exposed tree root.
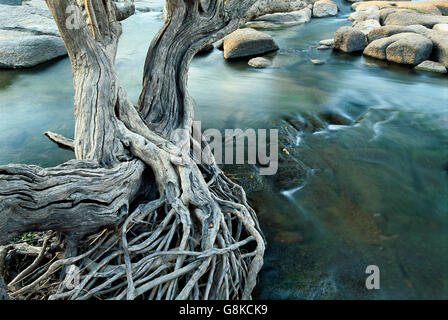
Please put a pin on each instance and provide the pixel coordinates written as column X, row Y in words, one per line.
column 161, row 252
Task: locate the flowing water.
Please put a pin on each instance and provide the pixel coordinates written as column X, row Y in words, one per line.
column 378, row 192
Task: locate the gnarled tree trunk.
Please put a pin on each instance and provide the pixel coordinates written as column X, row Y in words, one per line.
column 167, row 227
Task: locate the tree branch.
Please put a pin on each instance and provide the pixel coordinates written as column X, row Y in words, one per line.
column 60, row 140
column 76, row 196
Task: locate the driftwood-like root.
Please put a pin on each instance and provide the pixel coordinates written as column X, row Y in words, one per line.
column 60, row 140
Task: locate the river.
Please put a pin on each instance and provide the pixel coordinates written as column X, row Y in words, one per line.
column 378, row 192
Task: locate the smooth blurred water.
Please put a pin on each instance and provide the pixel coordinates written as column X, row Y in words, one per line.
column 379, row 189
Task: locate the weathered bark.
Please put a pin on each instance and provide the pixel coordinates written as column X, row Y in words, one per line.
column 61, row 141
column 200, row 221
column 78, row 196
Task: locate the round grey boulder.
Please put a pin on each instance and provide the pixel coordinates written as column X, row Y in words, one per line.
column 248, row 42
column 431, row 66
column 29, row 50
column 349, row 39
column 259, row 62
column 404, row 48
column 440, row 43
column 325, row 8
column 279, row 20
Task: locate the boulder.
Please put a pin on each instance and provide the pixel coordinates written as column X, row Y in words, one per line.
column 248, row 42
column 36, row 20
column 325, row 8
column 404, row 18
column 387, row 31
column 259, row 62
column 440, row 27
column 377, row 49
column 385, row 12
column 365, row 17
column 440, row 43
column 277, row 20
column 349, row 39
column 404, row 48
column 28, row 50
column 368, row 11
column 412, row 49
column 432, row 7
column 327, row 42
column 431, row 66
column 28, row 36
column 367, row 25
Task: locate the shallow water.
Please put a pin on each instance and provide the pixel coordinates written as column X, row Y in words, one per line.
column 379, row 189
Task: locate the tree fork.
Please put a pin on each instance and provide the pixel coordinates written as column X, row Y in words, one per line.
column 178, row 231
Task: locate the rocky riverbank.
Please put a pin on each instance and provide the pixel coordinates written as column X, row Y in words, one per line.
column 404, row 32
column 29, row 36
column 408, row 33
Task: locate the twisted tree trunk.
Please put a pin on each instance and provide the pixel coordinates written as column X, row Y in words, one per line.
column 171, row 229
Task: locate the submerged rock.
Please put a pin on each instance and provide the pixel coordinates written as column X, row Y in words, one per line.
column 317, row 62
column 246, row 175
column 404, row 48
column 333, row 118
column 248, row 42
column 325, row 8
column 431, row 66
column 323, row 47
column 292, row 172
column 349, row 39
column 259, row 62
column 288, row 237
